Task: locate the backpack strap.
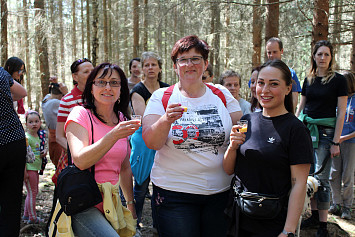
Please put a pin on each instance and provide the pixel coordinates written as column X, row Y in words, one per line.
column 218, row 93
column 166, row 96
column 55, row 222
column 215, row 90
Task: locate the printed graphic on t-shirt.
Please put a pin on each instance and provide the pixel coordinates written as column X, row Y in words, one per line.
column 200, row 129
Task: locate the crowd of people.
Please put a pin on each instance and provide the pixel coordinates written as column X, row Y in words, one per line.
column 211, row 174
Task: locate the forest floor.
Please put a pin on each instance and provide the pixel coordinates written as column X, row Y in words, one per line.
column 337, row 227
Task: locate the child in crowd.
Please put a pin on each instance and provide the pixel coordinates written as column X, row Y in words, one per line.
column 342, row 172
column 36, row 138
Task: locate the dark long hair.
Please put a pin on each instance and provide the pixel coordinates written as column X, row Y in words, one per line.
column 14, row 64
column 286, row 76
column 120, row 105
column 253, row 100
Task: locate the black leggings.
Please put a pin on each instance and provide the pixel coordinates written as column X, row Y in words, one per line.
column 12, row 165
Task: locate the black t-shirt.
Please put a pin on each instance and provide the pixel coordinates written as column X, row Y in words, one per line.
column 322, row 100
column 144, row 92
column 263, row 161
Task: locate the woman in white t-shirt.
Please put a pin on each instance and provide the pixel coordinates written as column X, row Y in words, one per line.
column 189, row 125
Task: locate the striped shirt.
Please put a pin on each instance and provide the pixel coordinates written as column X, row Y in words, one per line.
column 68, row 102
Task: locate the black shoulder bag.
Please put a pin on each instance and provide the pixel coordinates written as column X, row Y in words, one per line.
column 77, row 189
column 256, row 205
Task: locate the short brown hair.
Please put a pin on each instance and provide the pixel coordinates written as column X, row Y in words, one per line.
column 350, row 78
column 188, row 42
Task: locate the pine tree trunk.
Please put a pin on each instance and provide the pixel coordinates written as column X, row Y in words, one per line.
column 4, row 43
column 41, row 41
column 352, row 60
column 74, row 30
column 53, row 45
column 82, row 28
column 216, row 38
column 135, row 28
column 227, row 63
column 257, row 28
column 105, row 31
column 272, row 19
column 213, row 19
column 337, row 31
column 61, row 38
column 125, row 37
column 320, row 20
column 27, row 57
column 95, row 39
column 145, row 26
column 88, row 30
column 109, row 31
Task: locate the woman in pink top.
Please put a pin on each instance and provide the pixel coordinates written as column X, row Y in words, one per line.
column 106, row 98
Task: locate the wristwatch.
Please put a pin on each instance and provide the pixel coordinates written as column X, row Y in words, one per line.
column 335, row 143
column 289, row 234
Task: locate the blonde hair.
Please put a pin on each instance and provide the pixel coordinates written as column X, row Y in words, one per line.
column 313, row 72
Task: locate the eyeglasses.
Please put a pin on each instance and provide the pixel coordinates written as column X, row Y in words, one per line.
column 23, row 71
column 103, row 83
column 194, row 60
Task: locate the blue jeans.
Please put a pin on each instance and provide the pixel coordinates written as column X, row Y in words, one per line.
column 139, row 192
column 190, row 215
column 321, row 153
column 92, row 223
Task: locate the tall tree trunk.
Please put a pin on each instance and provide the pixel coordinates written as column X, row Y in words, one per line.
column 95, row 39
column 227, row 62
column 27, row 57
column 109, row 30
column 352, row 60
column 257, row 29
column 337, row 31
column 74, row 30
column 53, row 40
column 272, row 19
column 125, row 38
column 82, row 28
column 145, row 26
column 41, row 41
column 136, row 28
column 88, row 30
column 320, row 20
column 4, row 43
column 213, row 19
column 105, row 31
column 61, row 38
column 216, row 38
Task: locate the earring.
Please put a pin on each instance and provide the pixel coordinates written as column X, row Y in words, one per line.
column 118, row 101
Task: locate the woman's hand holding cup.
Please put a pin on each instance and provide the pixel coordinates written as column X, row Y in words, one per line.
column 236, row 137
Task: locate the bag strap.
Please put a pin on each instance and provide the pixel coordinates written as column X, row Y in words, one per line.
column 92, row 142
column 55, row 222
column 215, row 90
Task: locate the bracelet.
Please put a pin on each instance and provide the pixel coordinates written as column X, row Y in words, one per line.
column 335, row 143
column 131, row 202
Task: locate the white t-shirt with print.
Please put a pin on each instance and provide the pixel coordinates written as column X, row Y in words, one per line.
column 191, row 159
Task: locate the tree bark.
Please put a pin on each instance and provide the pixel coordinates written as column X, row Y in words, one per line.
column 216, row 38
column 109, row 31
column 88, row 30
column 95, row 39
column 61, row 38
column 41, row 41
column 257, row 30
column 136, row 28
column 272, row 19
column 27, row 57
column 337, row 27
column 53, row 39
column 4, row 43
column 145, row 25
column 82, row 28
column 74, row 30
column 105, row 31
column 227, row 62
column 320, row 20
column 125, row 38
column 352, row 60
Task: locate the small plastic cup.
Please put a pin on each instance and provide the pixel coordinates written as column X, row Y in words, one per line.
column 184, row 105
column 137, row 117
column 244, row 124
